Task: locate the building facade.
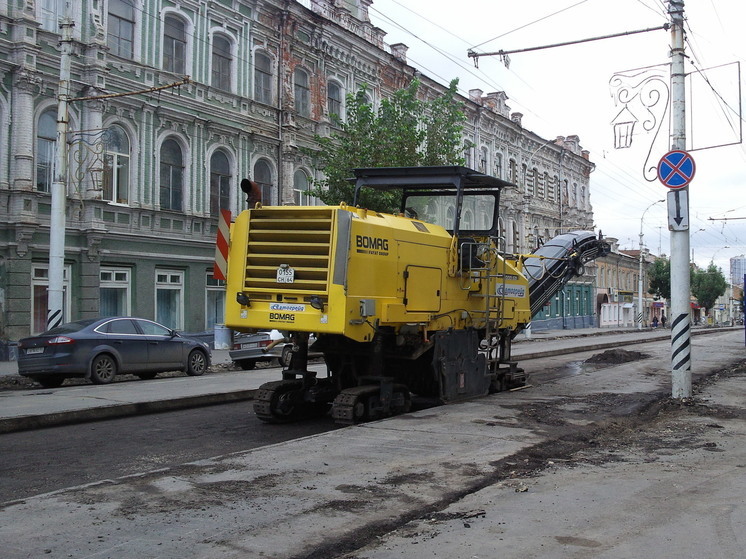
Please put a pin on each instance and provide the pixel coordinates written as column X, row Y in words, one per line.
column 173, row 103
column 737, row 270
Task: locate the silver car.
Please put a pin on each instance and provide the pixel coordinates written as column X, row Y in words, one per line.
column 250, row 349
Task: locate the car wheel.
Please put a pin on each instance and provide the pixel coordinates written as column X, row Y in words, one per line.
column 103, row 369
column 246, row 364
column 147, row 376
column 287, row 353
column 197, row 363
column 50, row 381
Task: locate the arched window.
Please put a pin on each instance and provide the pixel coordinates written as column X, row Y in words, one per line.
column 46, row 142
column 220, row 183
column 468, row 222
column 552, row 187
column 120, row 28
column 116, row 165
column 174, row 45
column 263, row 177
column 302, row 93
column 301, row 186
column 498, row 165
column 172, row 176
column 524, row 177
column 222, row 59
column 483, row 154
column 263, row 78
column 513, row 171
column 334, row 100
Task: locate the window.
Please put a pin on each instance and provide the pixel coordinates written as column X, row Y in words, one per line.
column 483, row 154
column 263, row 177
column 222, row 59
column 215, row 302
column 538, row 182
column 301, row 186
column 513, row 171
column 40, row 299
column 169, row 298
column 51, row 13
column 116, row 165
column 114, row 291
column 263, row 78
column 302, row 93
column 551, row 187
column 174, row 45
column 172, row 176
column 121, row 28
column 334, row 100
column 498, row 165
column 220, row 183
column 152, row 329
column 46, row 143
column 124, row 326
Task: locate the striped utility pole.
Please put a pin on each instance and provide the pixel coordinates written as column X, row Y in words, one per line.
column 55, row 293
column 681, row 360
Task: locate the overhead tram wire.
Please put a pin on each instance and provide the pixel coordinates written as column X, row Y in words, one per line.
column 529, row 24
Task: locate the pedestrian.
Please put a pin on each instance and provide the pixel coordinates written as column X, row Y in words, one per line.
column 655, row 322
column 663, row 320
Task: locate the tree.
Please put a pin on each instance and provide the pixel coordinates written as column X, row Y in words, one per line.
column 708, row 285
column 405, row 132
column 659, row 275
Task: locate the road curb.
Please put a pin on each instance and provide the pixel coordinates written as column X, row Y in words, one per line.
column 114, row 411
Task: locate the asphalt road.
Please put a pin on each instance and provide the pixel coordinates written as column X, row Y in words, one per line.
column 45, row 460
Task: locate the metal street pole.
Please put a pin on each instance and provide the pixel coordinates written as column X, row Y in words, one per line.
column 681, row 363
column 640, row 311
column 55, row 294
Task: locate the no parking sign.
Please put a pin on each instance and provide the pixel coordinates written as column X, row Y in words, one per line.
column 676, row 169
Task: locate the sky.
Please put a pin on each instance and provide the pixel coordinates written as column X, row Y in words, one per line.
column 568, row 90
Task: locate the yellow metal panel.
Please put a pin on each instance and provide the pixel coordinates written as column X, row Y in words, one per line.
column 422, row 288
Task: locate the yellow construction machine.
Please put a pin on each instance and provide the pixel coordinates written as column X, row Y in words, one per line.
column 424, row 301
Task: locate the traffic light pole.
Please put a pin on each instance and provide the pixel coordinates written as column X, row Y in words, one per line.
column 681, row 362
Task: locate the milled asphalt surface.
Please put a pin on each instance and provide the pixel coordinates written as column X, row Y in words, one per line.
column 46, row 407
column 433, row 483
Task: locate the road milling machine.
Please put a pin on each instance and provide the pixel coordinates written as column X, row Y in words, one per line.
column 424, row 301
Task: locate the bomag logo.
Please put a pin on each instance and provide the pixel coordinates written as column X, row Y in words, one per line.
column 281, row 317
column 372, row 245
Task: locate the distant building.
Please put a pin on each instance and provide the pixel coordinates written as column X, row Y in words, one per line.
column 737, row 270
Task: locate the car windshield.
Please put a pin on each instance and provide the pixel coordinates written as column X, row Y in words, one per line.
column 69, row 327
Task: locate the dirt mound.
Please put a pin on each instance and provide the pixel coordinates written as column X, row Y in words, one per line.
column 615, row 356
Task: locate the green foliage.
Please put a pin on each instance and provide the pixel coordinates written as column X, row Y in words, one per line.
column 405, row 132
column 659, row 275
column 708, row 285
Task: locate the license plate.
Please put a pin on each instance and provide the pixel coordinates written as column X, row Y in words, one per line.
column 285, row 275
column 32, row 350
column 250, row 345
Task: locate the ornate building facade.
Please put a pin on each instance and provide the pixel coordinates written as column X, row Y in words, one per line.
column 152, row 162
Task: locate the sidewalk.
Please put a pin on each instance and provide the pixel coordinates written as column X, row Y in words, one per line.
column 37, row 408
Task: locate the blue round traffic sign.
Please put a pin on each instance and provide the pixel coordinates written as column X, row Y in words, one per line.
column 676, row 169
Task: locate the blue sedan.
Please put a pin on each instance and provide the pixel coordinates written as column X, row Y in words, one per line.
column 99, row 349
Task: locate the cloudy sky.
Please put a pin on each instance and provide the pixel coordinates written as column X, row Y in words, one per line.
column 567, row 90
